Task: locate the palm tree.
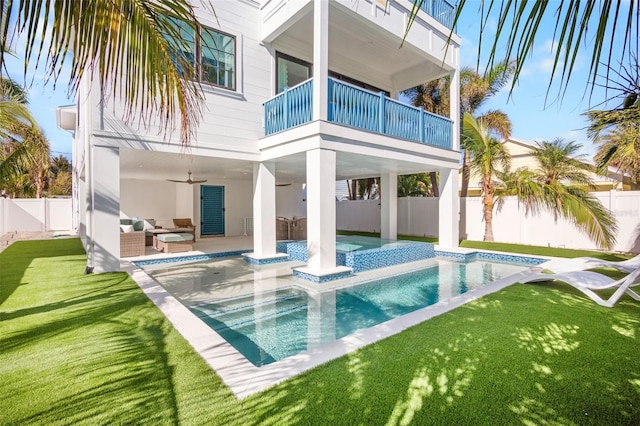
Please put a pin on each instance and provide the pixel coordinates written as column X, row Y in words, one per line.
column 487, row 157
column 25, row 152
column 475, row 90
column 112, row 42
column 13, row 107
column 560, row 184
column 620, row 148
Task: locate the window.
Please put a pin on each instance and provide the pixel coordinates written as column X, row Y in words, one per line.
column 290, row 71
column 213, row 54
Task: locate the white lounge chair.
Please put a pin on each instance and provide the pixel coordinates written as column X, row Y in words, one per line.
column 588, row 281
column 628, row 265
column 561, row 265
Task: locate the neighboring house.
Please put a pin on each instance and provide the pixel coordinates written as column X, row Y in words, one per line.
column 301, row 93
column 522, row 156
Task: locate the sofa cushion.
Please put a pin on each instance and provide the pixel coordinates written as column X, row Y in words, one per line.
column 172, row 238
column 126, row 222
column 126, row 228
column 149, row 224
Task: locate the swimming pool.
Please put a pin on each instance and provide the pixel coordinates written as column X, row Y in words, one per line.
column 267, row 316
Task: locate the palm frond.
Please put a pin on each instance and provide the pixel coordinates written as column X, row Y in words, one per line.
column 595, row 23
column 126, row 45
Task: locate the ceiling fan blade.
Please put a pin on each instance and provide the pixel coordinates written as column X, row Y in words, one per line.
column 198, row 181
column 283, row 184
column 178, row 181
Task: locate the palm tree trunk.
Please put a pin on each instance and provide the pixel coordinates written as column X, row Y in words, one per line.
column 434, row 184
column 487, row 202
column 465, row 175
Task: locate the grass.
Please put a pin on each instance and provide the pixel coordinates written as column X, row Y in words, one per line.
column 92, row 349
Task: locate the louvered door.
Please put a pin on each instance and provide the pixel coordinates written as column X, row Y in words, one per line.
column 212, row 210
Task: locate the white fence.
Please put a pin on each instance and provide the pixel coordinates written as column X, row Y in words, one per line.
column 419, row 216
column 32, row 214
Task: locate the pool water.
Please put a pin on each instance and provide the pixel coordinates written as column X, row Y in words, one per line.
column 272, row 325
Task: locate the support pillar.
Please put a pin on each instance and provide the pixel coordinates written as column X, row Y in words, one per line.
column 454, row 109
column 320, row 59
column 389, row 206
column 264, row 215
column 321, row 217
column 449, row 216
column 104, row 241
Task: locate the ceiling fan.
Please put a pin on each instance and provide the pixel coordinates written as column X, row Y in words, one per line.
column 189, row 180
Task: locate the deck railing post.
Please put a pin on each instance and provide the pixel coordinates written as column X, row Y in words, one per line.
column 381, row 123
column 421, row 124
column 286, row 108
column 329, row 104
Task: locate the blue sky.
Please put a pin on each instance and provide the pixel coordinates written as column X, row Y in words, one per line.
column 533, row 117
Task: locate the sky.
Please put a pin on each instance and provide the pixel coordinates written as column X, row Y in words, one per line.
column 534, row 117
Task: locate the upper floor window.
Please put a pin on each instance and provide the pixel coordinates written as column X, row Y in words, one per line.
column 213, row 54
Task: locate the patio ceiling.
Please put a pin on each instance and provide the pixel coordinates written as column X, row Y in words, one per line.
column 152, row 165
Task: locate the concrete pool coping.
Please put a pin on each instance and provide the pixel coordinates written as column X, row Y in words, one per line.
column 245, row 379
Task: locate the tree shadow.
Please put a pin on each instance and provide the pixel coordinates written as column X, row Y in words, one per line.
column 19, row 256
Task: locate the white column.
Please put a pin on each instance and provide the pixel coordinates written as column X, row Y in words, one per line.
column 449, row 216
column 105, row 206
column 320, row 59
column 321, row 210
column 264, row 210
column 454, row 108
column 389, row 206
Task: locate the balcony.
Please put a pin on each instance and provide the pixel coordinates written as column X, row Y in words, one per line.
column 441, row 10
column 355, row 107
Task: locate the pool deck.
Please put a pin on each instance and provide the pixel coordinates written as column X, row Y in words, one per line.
column 245, row 379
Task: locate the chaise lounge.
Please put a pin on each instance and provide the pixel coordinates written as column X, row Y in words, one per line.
column 588, row 282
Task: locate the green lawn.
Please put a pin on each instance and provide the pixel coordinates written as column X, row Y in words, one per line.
column 92, row 349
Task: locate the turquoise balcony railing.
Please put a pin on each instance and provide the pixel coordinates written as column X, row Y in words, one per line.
column 352, row 106
column 290, row 108
column 355, row 107
column 441, row 10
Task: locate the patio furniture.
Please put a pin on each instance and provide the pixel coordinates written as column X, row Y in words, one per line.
column 283, row 230
column 628, row 265
column 154, row 235
column 132, row 243
column 184, row 225
column 588, row 281
column 299, row 228
column 174, row 243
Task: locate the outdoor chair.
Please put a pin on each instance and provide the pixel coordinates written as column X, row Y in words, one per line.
column 588, row 282
column 299, row 228
column 283, row 230
column 184, row 225
column 132, row 243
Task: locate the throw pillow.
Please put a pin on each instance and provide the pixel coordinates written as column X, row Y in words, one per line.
column 126, row 228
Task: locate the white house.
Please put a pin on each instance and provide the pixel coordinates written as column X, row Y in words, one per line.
column 298, row 91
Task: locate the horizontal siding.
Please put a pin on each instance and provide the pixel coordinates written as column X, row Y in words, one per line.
column 229, row 119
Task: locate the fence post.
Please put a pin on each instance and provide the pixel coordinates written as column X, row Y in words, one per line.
column 421, row 121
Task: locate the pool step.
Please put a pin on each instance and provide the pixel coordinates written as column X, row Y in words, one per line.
column 246, row 311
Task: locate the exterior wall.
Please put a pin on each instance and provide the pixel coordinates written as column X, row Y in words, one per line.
column 43, row 214
column 510, row 225
column 231, row 120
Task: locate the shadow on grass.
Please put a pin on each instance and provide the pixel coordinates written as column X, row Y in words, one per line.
column 527, row 355
column 18, row 257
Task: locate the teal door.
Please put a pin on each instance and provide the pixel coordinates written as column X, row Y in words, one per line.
column 212, row 210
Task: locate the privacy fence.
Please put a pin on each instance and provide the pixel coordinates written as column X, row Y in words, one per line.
column 35, row 214
column 419, row 216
